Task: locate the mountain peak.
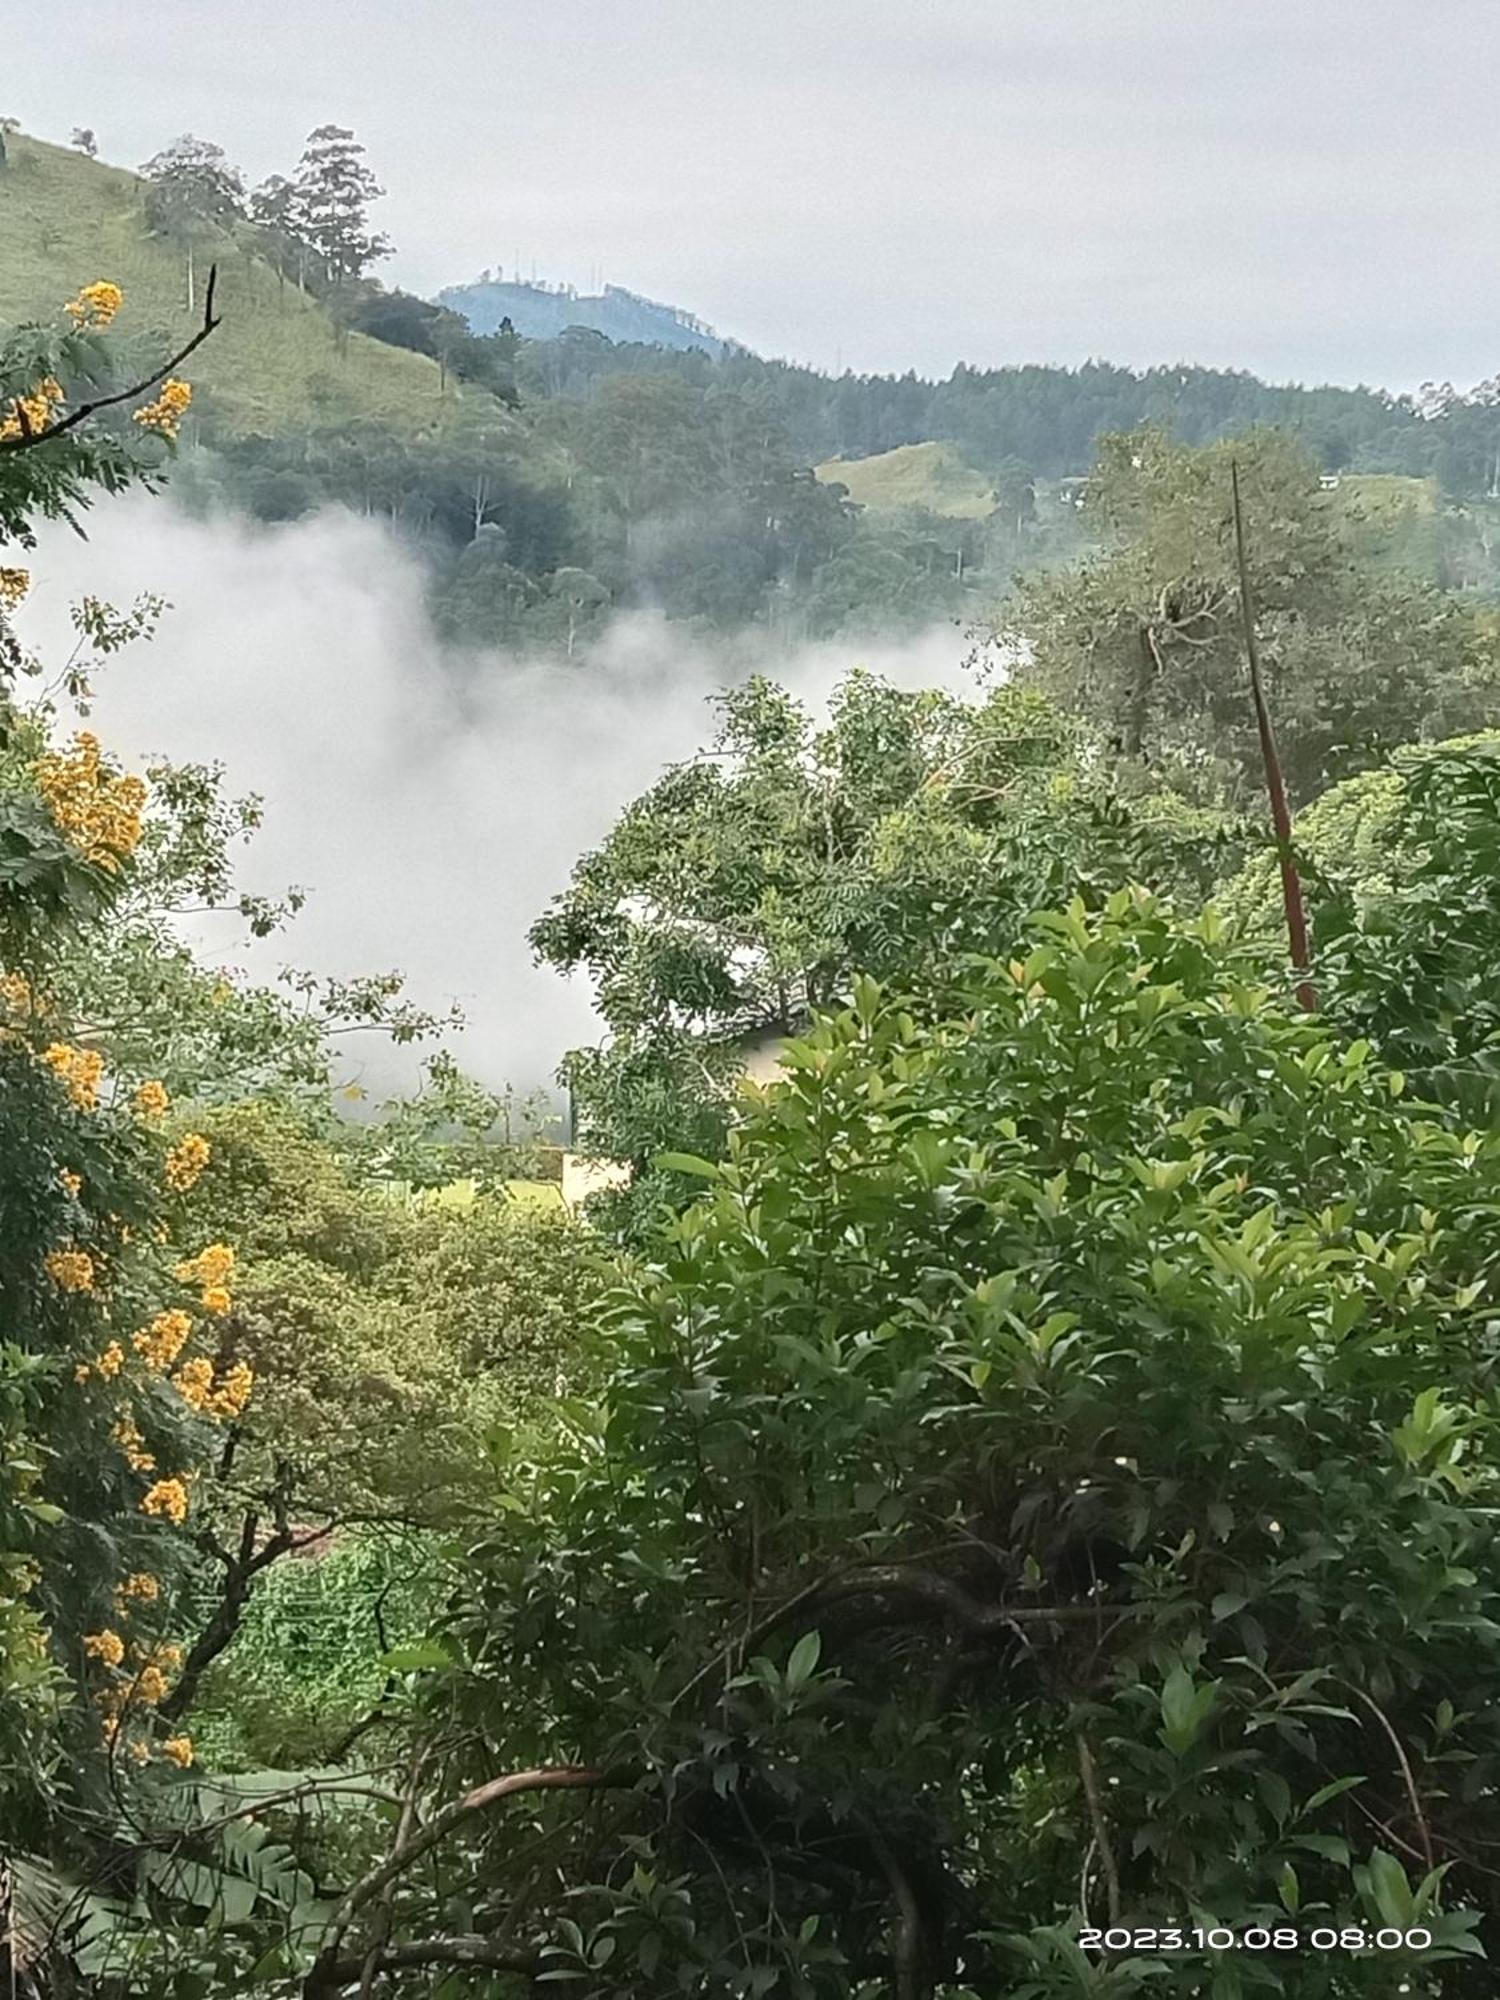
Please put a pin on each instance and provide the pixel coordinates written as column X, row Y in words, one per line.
column 539, row 311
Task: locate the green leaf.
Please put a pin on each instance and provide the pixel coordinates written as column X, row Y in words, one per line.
column 689, row 1163
column 1327, row 1792
column 804, row 1659
column 416, row 1658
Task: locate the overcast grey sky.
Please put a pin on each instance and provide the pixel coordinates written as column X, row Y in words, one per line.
column 1307, row 188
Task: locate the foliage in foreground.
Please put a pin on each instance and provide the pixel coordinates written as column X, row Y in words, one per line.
column 1054, row 1465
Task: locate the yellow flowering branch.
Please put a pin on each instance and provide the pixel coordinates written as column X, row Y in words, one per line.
column 29, row 435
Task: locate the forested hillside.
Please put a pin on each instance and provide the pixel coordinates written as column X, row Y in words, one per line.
column 1005, row 1509
column 554, row 482
column 280, row 365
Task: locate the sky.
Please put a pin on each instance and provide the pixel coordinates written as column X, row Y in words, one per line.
column 1305, row 188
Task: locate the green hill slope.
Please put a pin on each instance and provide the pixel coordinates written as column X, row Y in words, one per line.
column 276, row 364
column 931, row 476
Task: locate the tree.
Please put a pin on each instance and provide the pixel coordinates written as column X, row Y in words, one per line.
column 192, row 193
column 1402, row 864
column 275, row 208
column 1143, row 638
column 1046, row 1481
column 334, row 189
column 744, row 889
column 83, row 138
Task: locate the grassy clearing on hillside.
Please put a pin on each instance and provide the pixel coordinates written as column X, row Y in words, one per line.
column 933, row 476
column 276, row 363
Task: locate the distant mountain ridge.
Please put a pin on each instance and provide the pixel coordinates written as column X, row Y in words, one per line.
column 542, row 312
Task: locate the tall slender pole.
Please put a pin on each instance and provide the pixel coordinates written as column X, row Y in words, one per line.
column 1281, row 819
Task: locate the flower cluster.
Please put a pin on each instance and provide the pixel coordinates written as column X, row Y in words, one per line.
column 71, row 1270
column 128, row 1437
column 151, row 1099
column 209, row 1270
column 139, row 1586
column 186, row 1161
column 141, row 1682
column 80, row 1069
column 233, row 1391
column 160, row 1343
column 169, row 1498
column 97, row 809
column 194, row 1382
column 165, row 415
column 14, row 584
column 95, row 306
column 26, row 415
column 71, row 1183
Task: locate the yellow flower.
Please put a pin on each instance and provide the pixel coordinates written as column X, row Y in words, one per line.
column 106, row 1645
column 233, row 1392
column 72, row 1270
column 179, row 1749
column 82, row 1372
column 137, row 1751
column 210, row 1267
column 25, row 415
column 168, row 1497
column 97, row 809
column 96, row 305
column 127, row 1436
column 165, row 415
column 151, row 1100
column 80, row 1069
column 186, row 1161
column 151, row 1686
column 160, row 1343
column 194, row 1382
column 112, row 1360
column 72, row 1182
column 139, row 1585
column 14, row 584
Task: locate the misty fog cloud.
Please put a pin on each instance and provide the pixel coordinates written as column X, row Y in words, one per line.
column 431, row 802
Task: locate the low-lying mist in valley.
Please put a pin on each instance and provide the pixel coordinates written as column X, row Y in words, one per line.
column 430, row 801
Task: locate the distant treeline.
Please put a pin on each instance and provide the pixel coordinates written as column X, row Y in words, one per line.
column 615, row 476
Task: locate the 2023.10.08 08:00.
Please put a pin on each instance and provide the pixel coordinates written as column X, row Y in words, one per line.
column 1285, row 1937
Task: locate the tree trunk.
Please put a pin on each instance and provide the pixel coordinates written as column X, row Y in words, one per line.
column 1281, row 819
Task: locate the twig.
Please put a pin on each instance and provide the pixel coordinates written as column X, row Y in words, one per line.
column 906, row 1946
column 1406, row 1771
column 1090, row 1780
column 30, row 438
column 565, row 1776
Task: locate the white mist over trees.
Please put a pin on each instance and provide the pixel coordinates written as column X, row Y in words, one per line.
column 431, row 813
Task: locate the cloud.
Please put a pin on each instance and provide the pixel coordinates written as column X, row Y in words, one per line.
column 432, row 801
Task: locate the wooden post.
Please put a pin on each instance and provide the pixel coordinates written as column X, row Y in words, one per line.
column 1281, row 819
